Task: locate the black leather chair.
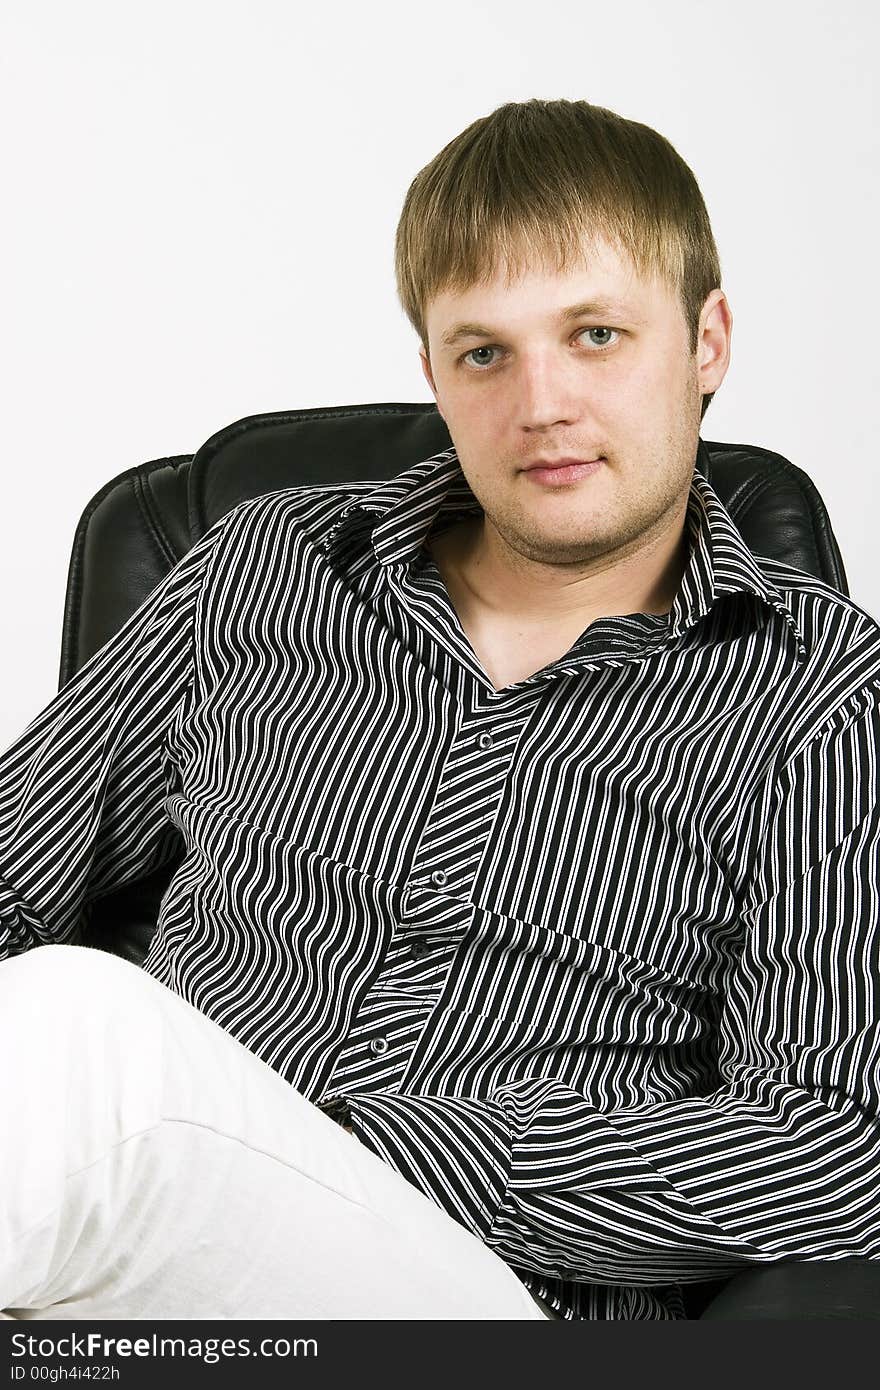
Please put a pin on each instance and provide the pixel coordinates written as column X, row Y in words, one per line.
column 144, row 520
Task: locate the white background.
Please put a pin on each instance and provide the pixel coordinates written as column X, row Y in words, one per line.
column 199, row 206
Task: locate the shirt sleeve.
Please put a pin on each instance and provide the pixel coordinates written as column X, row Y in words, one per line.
column 82, row 789
column 782, row 1160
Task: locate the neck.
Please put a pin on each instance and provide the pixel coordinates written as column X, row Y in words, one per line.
column 503, row 582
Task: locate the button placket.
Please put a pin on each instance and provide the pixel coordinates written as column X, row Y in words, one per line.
column 436, row 901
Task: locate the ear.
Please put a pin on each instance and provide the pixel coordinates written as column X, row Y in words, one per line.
column 716, row 328
column 429, row 376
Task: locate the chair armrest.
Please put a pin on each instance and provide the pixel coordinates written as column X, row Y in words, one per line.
column 801, row 1289
column 124, row 921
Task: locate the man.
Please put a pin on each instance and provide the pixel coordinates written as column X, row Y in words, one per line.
column 531, row 830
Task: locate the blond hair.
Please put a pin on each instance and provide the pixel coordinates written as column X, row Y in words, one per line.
column 534, row 179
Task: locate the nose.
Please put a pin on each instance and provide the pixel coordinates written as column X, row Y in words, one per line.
column 546, row 392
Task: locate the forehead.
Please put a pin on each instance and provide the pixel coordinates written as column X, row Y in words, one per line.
column 602, row 282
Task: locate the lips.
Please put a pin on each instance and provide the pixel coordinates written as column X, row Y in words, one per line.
column 559, row 463
column 560, row 472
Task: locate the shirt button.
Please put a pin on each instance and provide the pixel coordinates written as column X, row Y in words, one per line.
column 438, row 877
column 485, row 740
column 379, row 1045
column 419, row 949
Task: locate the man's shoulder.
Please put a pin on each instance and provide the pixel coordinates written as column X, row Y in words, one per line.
column 839, row 680
column 817, row 605
column 312, row 509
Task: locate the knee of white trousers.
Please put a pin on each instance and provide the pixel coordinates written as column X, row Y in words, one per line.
column 80, row 1079
column 74, row 980
column 80, row 1019
column 61, row 963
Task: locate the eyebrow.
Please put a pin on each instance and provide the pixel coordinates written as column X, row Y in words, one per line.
column 592, row 308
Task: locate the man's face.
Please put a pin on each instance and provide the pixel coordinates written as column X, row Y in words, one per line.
column 617, row 383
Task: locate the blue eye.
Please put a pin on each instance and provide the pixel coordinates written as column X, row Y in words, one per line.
column 473, row 350
column 603, row 329
column 491, row 348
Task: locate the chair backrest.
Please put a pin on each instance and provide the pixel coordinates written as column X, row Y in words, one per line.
column 142, row 522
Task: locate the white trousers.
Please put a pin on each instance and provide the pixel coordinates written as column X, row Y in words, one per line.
column 152, row 1167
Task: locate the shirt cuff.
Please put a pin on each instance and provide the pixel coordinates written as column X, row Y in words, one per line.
column 455, row 1150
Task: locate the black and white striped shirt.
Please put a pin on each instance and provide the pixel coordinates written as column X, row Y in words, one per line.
column 593, row 960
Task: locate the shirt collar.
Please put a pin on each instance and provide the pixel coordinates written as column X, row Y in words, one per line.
column 403, row 511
